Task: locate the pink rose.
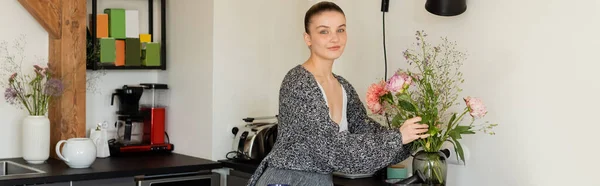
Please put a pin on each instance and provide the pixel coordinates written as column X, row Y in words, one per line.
column 375, row 107
column 407, row 80
column 476, row 107
column 376, row 90
column 398, row 83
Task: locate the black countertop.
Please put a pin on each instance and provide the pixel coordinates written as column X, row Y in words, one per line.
column 111, row 167
column 250, row 167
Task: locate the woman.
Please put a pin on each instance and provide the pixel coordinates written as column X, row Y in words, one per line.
column 323, row 126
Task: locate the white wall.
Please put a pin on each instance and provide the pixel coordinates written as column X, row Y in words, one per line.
column 253, row 40
column 224, row 67
column 16, row 21
column 190, row 76
column 530, row 61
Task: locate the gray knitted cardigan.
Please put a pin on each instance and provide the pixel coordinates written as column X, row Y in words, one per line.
column 308, row 140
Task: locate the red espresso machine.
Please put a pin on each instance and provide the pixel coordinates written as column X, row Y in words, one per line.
column 143, row 130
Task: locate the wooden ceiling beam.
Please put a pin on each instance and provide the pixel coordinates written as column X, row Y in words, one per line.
column 47, row 13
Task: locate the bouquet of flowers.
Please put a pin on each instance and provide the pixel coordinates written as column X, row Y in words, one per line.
column 33, row 92
column 430, row 91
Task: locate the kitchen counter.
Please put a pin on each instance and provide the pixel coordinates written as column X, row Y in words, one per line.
column 111, row 167
column 250, row 167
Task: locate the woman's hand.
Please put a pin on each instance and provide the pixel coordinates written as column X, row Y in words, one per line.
column 411, row 130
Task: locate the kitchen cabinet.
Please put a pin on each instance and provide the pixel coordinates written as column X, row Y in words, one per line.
column 125, row 181
column 240, row 173
column 54, row 184
column 168, row 169
column 202, row 178
column 237, row 178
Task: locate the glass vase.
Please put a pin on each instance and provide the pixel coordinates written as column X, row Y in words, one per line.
column 432, row 166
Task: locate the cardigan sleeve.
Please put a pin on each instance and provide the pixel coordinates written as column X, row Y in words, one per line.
column 305, row 117
column 361, row 123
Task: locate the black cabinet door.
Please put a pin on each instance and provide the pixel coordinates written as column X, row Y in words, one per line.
column 125, row 181
column 236, row 181
column 212, row 179
column 237, row 178
column 54, row 184
column 204, row 182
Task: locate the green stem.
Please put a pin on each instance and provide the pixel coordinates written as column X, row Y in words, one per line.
column 414, row 58
column 42, row 100
column 417, row 110
column 437, row 170
column 47, row 103
column 433, row 168
column 456, row 121
column 472, row 121
column 423, row 47
column 37, row 96
column 23, row 100
column 34, row 89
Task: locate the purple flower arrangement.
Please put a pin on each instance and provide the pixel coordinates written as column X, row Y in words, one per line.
column 33, row 92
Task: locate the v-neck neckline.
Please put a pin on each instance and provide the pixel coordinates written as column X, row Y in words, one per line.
column 344, row 98
column 338, row 78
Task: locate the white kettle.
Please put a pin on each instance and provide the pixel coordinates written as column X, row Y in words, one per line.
column 77, row 152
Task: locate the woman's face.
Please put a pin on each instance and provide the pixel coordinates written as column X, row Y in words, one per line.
column 327, row 38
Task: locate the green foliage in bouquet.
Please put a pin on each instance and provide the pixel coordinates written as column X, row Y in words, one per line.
column 429, row 89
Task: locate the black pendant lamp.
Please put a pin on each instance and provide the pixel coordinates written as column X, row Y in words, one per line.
column 446, row 7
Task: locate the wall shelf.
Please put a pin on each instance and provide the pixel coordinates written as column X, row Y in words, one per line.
column 96, row 65
column 107, row 67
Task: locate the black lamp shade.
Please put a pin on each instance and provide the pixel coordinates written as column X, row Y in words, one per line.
column 446, row 7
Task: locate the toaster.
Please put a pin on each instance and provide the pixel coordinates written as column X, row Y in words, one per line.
column 254, row 140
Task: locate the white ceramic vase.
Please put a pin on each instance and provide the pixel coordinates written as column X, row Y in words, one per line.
column 36, row 139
